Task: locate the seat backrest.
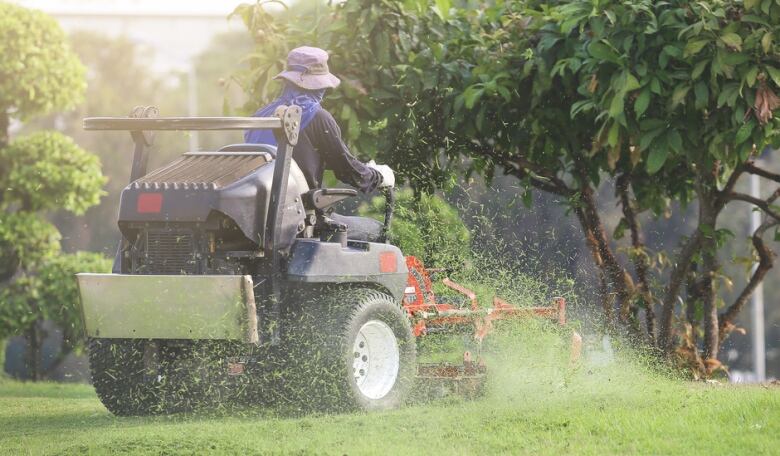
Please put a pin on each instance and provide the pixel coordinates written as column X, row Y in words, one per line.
column 245, row 147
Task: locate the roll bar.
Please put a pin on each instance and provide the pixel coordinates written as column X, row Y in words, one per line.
column 182, row 123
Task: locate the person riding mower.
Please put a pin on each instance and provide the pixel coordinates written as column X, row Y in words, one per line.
column 320, row 146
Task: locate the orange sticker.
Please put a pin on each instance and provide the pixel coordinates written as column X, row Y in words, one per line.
column 388, row 262
column 149, row 203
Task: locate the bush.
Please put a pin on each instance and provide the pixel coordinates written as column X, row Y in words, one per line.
column 41, row 172
column 47, row 170
column 50, row 294
column 427, row 227
column 25, row 239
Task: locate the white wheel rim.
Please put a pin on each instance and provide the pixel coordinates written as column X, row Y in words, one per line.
column 376, row 359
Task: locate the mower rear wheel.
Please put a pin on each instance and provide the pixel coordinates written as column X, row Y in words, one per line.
column 123, row 376
column 350, row 349
column 148, row 377
column 194, row 376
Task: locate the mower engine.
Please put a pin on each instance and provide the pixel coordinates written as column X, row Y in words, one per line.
column 205, row 214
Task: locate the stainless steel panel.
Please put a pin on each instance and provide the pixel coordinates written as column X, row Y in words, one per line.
column 168, row 306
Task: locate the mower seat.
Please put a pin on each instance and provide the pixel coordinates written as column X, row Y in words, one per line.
column 360, row 228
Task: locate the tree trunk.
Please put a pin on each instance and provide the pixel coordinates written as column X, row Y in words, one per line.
column 766, row 262
column 710, row 320
column 708, row 219
column 3, row 344
column 34, row 352
column 676, row 279
column 616, row 276
column 694, row 296
column 604, row 294
column 638, row 257
column 5, row 123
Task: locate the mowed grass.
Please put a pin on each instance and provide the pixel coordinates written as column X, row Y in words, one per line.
column 535, row 405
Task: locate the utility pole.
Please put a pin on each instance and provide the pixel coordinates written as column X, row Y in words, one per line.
column 757, row 300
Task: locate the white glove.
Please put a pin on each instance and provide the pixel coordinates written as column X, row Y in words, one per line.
column 388, row 177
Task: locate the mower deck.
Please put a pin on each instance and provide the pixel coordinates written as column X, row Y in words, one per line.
column 433, row 315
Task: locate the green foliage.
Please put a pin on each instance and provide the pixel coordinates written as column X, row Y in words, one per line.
column 26, row 239
column 426, row 227
column 643, row 87
column 385, row 54
column 50, row 294
column 38, row 70
column 47, row 170
column 668, row 84
column 269, row 57
column 40, row 172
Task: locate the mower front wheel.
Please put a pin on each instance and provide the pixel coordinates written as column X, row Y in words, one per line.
column 353, row 350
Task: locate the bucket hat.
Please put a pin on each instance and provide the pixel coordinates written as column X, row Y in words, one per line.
column 307, row 67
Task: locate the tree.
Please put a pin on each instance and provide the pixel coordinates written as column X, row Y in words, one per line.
column 41, row 172
column 48, row 294
column 670, row 99
column 666, row 102
column 39, row 72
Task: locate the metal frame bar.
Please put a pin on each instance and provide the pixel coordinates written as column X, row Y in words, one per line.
column 181, row 123
column 290, row 120
column 143, row 141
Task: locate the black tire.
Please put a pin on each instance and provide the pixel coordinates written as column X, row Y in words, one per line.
column 318, row 342
column 122, row 378
column 194, row 376
column 174, row 377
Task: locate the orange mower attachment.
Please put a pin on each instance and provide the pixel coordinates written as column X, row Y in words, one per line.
column 432, row 314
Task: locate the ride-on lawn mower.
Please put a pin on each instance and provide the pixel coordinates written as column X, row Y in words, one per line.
column 231, row 280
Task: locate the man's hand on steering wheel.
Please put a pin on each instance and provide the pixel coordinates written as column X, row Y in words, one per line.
column 388, row 177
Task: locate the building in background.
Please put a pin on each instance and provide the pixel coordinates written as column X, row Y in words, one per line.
column 176, row 31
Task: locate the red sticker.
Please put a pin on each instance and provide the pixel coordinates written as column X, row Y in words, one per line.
column 149, row 203
column 388, row 262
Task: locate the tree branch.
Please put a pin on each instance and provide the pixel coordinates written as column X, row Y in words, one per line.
column 590, row 219
column 751, row 168
column 520, row 167
column 765, row 263
column 764, row 205
column 676, row 279
column 722, row 197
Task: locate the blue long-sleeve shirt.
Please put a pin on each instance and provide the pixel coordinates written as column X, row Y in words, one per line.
column 321, row 147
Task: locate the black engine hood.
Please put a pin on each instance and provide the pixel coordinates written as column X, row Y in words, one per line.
column 237, row 184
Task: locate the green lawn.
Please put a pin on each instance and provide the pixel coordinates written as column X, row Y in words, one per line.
column 536, row 409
